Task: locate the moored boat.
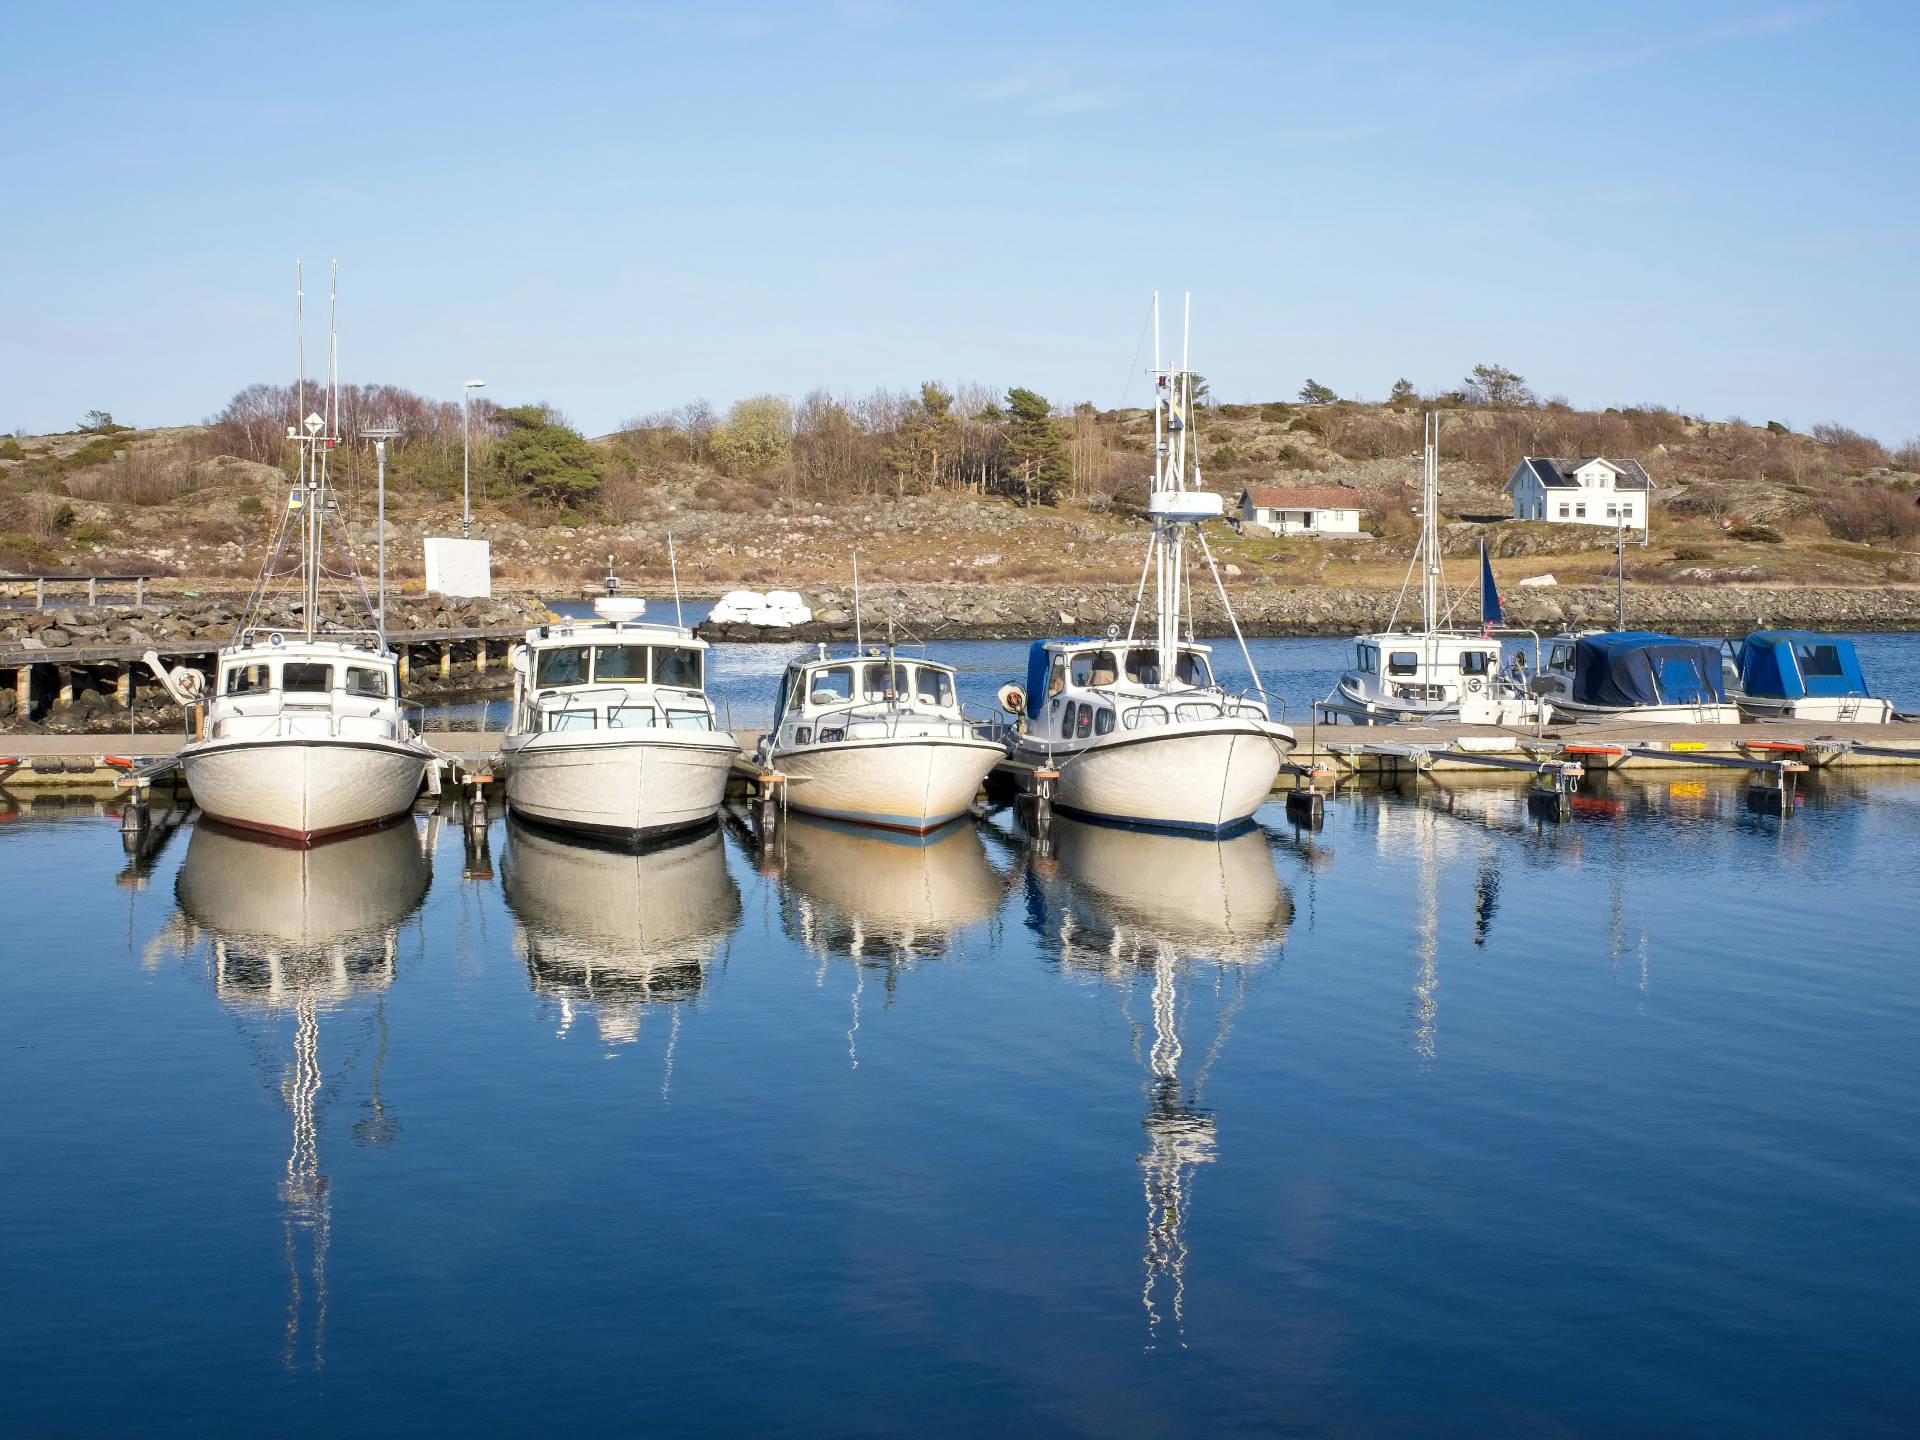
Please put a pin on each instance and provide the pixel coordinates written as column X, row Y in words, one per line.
column 879, row 738
column 612, row 732
column 1798, row 675
column 1139, row 729
column 303, row 736
column 1432, row 674
column 1601, row 675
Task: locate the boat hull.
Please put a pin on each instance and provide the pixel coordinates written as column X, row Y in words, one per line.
column 1826, row 709
column 304, row 789
column 610, row 784
column 1208, row 776
column 911, row 783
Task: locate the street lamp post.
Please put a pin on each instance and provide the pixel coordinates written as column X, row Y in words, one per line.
column 466, row 461
column 380, row 436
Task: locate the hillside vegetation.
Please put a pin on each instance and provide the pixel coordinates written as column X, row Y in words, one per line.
column 960, row 485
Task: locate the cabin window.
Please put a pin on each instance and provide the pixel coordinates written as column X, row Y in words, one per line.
column 1066, row 721
column 620, row 662
column 935, row 686
column 1083, row 722
column 1095, row 667
column 803, row 735
column 244, row 679
column 831, row 687
column 571, row 719
column 829, row 737
column 307, row 676
column 1403, row 662
column 630, row 717
column 688, row 720
column 1057, row 676
column 1560, row 657
column 563, row 665
column 1822, row 660
column 1198, row 712
column 1103, row 721
column 367, row 684
column 676, row 666
column 1145, row 717
column 1191, row 668
column 1475, row 662
column 1143, row 667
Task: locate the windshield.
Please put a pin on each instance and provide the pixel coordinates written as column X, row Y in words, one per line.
column 564, row 665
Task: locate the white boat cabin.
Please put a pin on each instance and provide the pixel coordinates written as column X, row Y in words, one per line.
column 829, row 699
column 1085, row 689
column 271, row 687
column 611, row 675
column 1432, row 668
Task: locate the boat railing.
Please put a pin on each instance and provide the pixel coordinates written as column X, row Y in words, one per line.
column 365, row 639
column 842, row 719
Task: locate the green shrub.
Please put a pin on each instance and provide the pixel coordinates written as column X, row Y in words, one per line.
column 10, row 449
column 91, row 533
column 251, row 507
column 1762, row 534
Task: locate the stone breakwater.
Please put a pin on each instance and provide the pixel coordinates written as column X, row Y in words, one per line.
column 1031, row 612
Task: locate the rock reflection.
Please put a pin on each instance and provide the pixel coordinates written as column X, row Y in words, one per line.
column 613, row 930
column 301, row 933
column 881, row 899
column 1126, row 905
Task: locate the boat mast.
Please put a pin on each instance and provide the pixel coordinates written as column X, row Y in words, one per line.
column 1430, row 524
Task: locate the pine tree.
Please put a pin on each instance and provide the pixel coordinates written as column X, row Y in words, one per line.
column 1035, row 449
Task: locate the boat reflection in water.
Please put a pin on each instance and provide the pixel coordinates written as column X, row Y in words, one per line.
column 301, row 933
column 883, row 899
column 1127, row 906
column 613, row 929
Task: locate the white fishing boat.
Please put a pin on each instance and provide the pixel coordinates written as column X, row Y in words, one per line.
column 1139, row 729
column 612, row 731
column 878, row 738
column 1433, row 674
column 303, row 736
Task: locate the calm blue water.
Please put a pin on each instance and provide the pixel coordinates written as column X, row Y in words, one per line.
column 1439, row 1123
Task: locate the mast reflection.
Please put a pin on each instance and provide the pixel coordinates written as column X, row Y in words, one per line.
column 301, row 933
column 613, row 930
column 1122, row 905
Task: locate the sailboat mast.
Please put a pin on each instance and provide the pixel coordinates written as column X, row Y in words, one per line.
column 1430, row 524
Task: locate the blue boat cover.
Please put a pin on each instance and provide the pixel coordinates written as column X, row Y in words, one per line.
column 1489, row 592
column 1635, row 667
column 1787, row 664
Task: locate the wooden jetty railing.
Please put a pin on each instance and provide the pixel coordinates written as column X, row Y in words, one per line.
column 93, row 583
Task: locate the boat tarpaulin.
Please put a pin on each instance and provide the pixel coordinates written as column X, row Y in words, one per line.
column 1636, row 667
column 1037, row 663
column 1787, row 664
column 1489, row 592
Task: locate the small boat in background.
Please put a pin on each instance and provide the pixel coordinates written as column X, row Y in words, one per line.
column 1799, row 675
column 776, row 610
column 1635, row 675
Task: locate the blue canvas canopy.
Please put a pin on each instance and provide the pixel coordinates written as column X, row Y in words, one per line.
column 1787, row 664
column 1637, row 667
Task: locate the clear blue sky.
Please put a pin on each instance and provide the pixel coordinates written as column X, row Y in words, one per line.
column 620, row 208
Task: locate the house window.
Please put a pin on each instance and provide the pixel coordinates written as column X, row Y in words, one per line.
column 1626, row 511
column 1563, row 510
column 1613, row 512
column 1580, row 511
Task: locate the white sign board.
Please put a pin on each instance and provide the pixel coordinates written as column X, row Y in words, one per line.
column 459, row 567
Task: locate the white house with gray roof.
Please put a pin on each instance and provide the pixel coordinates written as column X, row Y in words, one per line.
column 1593, row 491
